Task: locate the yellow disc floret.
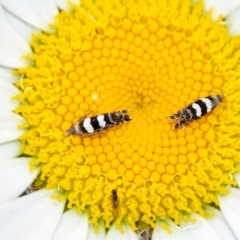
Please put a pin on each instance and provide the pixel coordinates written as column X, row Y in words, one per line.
column 151, row 58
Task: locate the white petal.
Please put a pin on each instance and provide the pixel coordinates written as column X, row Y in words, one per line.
column 159, row 233
column 72, row 226
column 218, row 222
column 233, row 22
column 9, row 122
column 10, row 150
column 114, row 233
column 10, row 135
column 15, row 177
column 23, row 28
column 200, row 230
column 6, row 75
column 100, row 235
column 7, row 91
column 230, row 207
column 221, row 7
column 237, row 178
column 63, row 4
column 32, row 217
column 12, row 45
column 10, row 119
column 35, row 12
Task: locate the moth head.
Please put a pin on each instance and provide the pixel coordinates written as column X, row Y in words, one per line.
column 220, row 97
column 71, row 131
column 127, row 118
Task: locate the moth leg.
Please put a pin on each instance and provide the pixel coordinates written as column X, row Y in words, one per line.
column 174, row 116
column 90, row 134
column 120, row 122
column 85, row 116
column 82, row 140
column 181, row 123
column 89, row 111
column 100, row 134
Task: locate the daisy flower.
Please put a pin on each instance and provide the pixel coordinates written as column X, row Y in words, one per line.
column 61, row 61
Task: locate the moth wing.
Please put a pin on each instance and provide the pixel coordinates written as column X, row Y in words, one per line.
column 182, row 123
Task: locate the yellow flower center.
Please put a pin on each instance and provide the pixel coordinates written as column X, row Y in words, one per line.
column 151, row 58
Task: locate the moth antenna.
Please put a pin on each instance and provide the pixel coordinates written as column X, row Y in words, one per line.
column 214, row 92
column 218, row 107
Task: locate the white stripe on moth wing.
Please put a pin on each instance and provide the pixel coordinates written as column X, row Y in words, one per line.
column 110, row 118
column 208, row 103
column 198, row 109
column 87, row 125
column 101, row 121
